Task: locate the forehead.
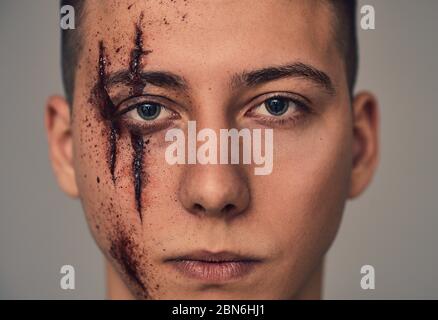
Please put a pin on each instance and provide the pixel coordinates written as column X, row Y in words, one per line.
column 189, row 36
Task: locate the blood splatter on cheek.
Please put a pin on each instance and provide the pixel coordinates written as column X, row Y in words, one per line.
column 126, row 251
column 126, row 245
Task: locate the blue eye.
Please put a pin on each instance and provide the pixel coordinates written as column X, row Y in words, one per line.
column 149, row 111
column 277, row 106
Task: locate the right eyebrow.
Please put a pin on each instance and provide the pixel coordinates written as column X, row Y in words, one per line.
column 162, row 79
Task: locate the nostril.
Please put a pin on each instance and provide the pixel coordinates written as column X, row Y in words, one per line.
column 228, row 208
column 198, row 208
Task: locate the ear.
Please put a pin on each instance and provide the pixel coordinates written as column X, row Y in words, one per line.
column 365, row 142
column 59, row 134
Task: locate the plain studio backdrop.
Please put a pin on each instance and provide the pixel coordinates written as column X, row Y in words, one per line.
column 391, row 227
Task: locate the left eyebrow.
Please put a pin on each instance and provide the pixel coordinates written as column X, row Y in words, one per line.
column 295, row 70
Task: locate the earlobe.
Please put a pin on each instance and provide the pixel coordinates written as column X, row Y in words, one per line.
column 59, row 134
column 365, row 142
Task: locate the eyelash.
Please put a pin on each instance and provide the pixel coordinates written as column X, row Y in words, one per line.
column 145, row 126
column 272, row 120
column 156, row 125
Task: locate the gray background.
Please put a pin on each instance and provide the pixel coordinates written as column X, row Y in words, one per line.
column 392, row 226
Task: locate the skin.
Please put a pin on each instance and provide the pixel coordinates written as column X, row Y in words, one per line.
column 288, row 218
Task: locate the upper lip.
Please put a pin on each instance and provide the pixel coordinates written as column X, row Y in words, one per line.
column 209, row 256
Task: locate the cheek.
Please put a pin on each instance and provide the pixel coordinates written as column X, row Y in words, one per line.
column 114, row 199
column 309, row 185
column 92, row 153
column 110, row 205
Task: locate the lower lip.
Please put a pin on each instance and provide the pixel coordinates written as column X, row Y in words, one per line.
column 214, row 271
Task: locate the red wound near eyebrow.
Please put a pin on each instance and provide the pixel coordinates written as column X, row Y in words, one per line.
column 108, row 110
column 138, row 85
column 135, row 63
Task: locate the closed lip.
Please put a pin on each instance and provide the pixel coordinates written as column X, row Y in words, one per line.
column 214, row 266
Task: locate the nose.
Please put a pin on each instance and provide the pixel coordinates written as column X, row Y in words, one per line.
column 214, row 190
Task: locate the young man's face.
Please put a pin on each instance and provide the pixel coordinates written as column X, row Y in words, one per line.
column 214, row 231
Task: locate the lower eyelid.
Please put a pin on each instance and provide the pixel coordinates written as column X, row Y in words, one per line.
column 145, row 128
